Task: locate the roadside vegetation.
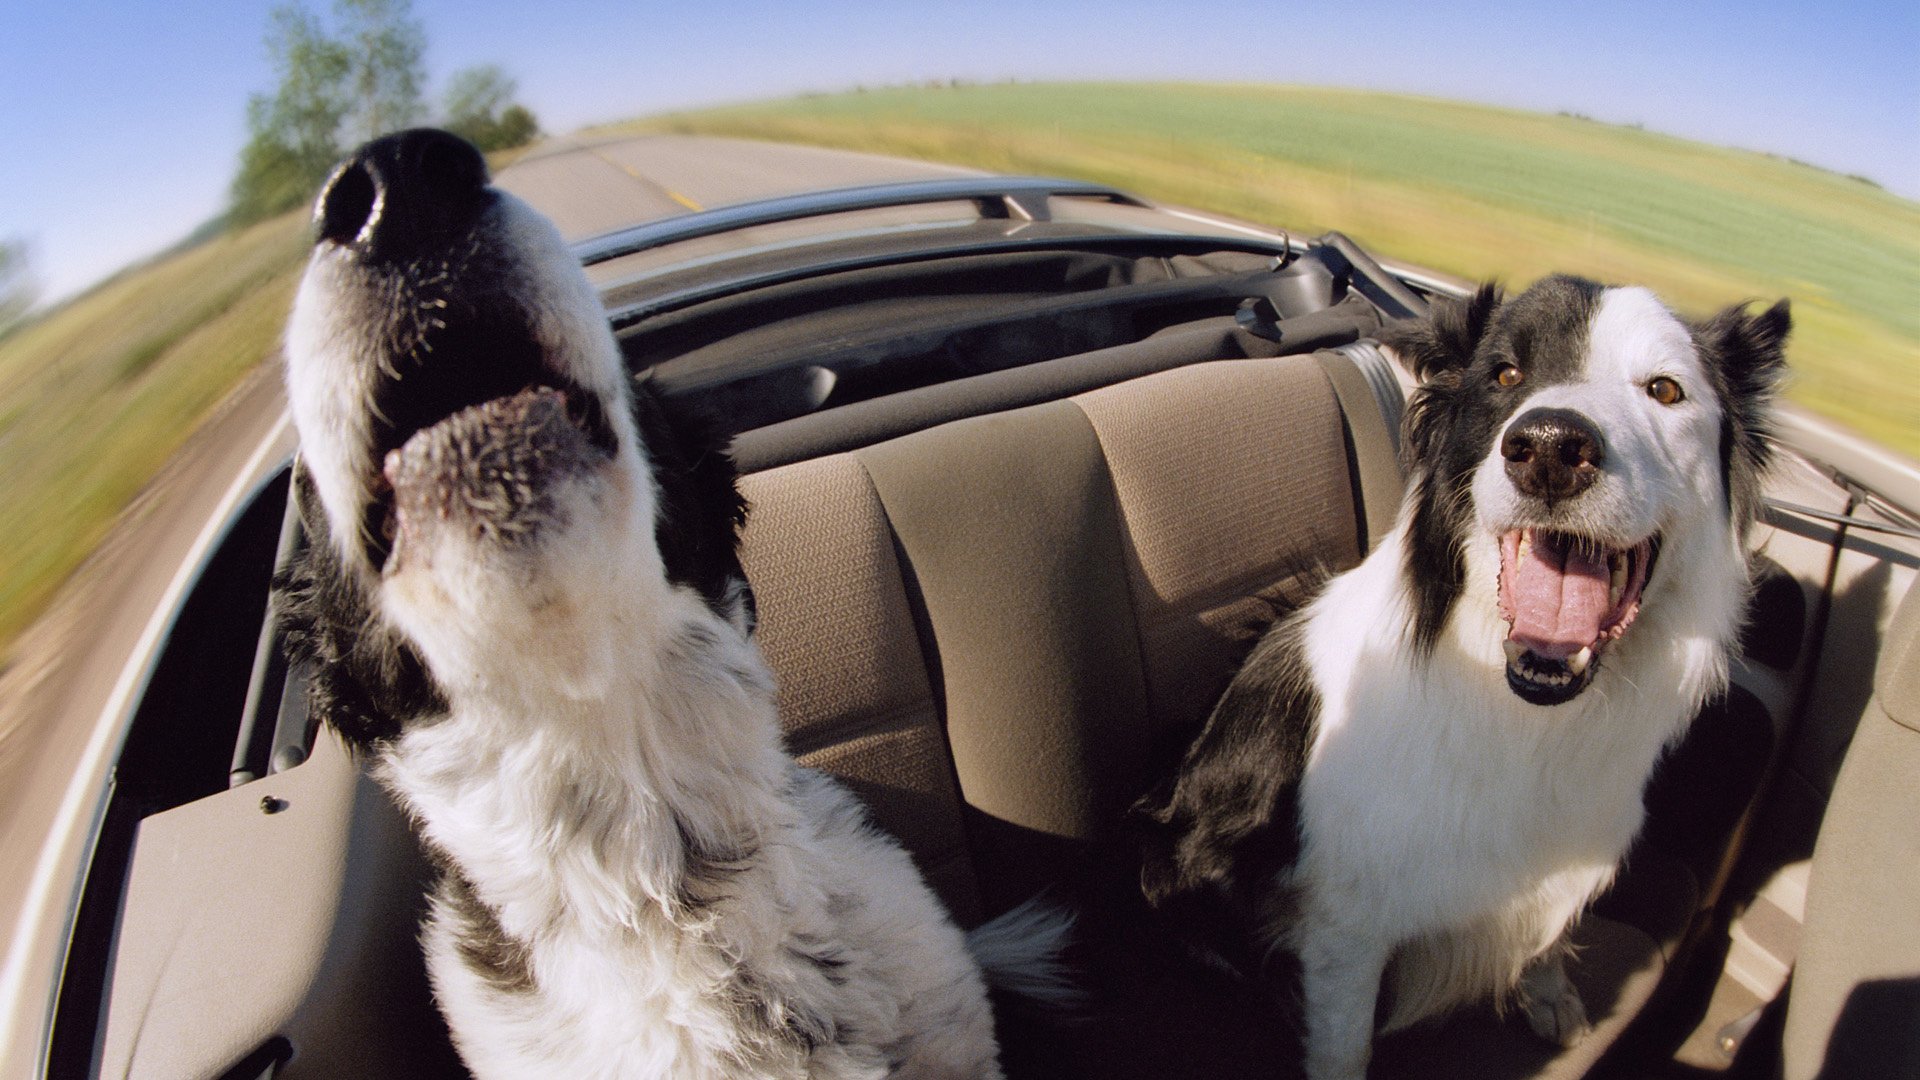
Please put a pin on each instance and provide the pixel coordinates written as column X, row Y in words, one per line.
column 17, row 287
column 1467, row 190
column 96, row 396
column 344, row 81
column 98, row 393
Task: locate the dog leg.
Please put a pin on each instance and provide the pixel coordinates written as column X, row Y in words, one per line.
column 1340, row 982
column 1552, row 1006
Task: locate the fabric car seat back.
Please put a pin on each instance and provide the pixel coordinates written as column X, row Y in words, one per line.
column 1026, row 613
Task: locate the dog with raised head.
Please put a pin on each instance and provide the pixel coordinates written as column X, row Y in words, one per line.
column 521, row 595
column 1417, row 782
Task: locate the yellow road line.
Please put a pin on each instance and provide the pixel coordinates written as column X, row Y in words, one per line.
column 648, row 181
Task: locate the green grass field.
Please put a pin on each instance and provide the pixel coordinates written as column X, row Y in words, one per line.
column 1467, row 190
column 96, row 396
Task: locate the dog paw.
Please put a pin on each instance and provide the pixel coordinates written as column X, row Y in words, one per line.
column 1557, row 1015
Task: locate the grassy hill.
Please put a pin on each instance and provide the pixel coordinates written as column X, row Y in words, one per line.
column 96, row 396
column 1469, row 190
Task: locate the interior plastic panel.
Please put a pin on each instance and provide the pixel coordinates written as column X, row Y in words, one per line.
column 282, row 909
column 1857, row 986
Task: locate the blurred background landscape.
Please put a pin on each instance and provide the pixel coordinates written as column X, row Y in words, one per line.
column 102, row 379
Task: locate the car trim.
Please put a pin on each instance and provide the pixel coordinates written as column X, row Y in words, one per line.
column 67, row 847
column 626, row 316
column 1019, row 197
column 1863, row 464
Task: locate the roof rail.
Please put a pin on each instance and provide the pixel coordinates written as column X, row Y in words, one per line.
column 1020, row 197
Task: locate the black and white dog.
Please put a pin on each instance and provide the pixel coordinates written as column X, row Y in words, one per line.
column 522, row 594
column 1422, row 777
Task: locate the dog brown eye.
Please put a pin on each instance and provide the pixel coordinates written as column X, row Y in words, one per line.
column 1508, row 375
column 1665, row 391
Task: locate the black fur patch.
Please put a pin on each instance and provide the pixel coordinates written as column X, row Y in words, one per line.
column 1460, row 408
column 504, row 961
column 1745, row 355
column 366, row 681
column 769, row 1023
column 705, row 871
column 821, row 956
column 701, row 509
column 1212, row 847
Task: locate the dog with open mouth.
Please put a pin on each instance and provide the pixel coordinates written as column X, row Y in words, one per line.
column 1417, row 782
column 521, row 596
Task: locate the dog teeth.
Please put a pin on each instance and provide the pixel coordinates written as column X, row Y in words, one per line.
column 1617, row 586
column 1578, row 662
column 1515, row 651
column 1526, row 545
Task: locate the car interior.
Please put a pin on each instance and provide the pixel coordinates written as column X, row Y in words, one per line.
column 1016, row 517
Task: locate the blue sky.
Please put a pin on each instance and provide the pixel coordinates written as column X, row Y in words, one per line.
column 120, row 123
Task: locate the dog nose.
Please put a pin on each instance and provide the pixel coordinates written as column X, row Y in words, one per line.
column 398, row 195
column 1552, row 454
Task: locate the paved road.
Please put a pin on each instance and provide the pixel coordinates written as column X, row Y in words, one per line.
column 71, row 663
column 590, row 187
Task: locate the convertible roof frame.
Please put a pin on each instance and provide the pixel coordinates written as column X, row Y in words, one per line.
column 1022, row 198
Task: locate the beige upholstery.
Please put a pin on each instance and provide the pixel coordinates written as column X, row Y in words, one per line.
column 854, row 695
column 1856, row 987
column 1055, row 589
column 1375, row 446
column 1010, row 532
column 997, row 628
column 300, row 923
column 1233, row 480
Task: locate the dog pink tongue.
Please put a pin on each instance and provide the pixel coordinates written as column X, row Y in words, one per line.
column 1557, row 597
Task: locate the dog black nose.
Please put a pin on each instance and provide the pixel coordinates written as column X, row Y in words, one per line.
column 1552, row 454
column 398, row 195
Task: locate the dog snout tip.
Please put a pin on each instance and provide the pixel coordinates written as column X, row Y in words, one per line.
column 444, row 165
column 1552, row 454
column 401, row 192
column 346, row 203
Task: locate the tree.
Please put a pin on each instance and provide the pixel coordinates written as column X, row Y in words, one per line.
column 293, row 135
column 333, row 92
column 517, row 127
column 480, row 108
column 385, row 45
column 18, row 290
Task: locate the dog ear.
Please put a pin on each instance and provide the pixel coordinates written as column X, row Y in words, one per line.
column 701, row 508
column 1747, row 356
column 1749, row 350
column 363, row 680
column 1438, row 349
column 1446, row 339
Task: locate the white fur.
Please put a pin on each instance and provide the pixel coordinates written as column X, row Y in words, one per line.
column 1451, row 831
column 588, row 728
column 603, row 725
column 330, row 364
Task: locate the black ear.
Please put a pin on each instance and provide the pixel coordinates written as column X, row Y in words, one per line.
column 363, row 680
column 1750, row 349
column 701, row 508
column 1747, row 355
column 1438, row 349
column 1446, row 339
